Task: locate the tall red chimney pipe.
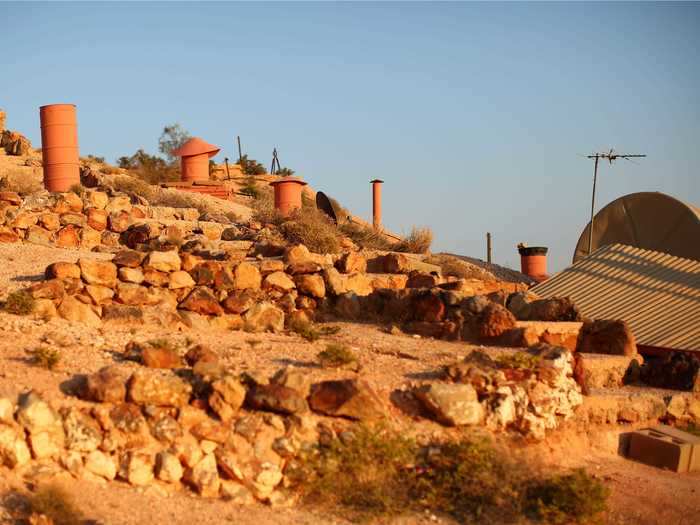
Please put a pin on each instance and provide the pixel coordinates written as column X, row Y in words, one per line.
column 377, row 203
column 59, row 146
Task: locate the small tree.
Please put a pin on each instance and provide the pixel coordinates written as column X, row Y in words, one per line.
column 173, row 137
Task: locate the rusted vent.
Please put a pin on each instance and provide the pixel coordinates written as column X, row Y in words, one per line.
column 377, row 203
column 288, row 194
column 59, row 146
column 194, row 161
column 533, row 262
column 665, row 447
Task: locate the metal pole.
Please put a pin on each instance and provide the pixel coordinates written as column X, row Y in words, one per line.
column 228, row 175
column 488, row 247
column 240, row 155
column 590, row 230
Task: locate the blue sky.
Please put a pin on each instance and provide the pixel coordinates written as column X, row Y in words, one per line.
column 475, row 115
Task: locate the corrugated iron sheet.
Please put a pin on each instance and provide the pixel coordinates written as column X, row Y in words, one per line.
column 656, row 293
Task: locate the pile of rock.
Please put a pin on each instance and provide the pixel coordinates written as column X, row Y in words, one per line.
column 529, row 394
column 14, row 143
column 154, row 426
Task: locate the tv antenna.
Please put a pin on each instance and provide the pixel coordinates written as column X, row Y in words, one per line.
column 275, row 162
column 610, row 156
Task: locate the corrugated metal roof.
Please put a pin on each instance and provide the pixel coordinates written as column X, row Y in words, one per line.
column 656, row 293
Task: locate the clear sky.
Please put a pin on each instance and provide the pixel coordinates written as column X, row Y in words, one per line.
column 475, row 115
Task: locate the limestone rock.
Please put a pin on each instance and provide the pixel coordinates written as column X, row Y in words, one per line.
column 83, row 433
column 62, row 270
column 311, row 284
column 93, row 271
column 131, row 275
column 606, row 337
column 452, row 404
column 554, row 309
column 294, row 378
column 148, row 388
column 73, row 310
column 202, row 301
column 278, row 281
column 168, row 467
column 246, row 276
column 180, row 279
column 350, row 398
column 264, row 316
column 163, row 261
column 352, row 262
column 101, row 464
column 13, row 449
column 67, row 237
column 128, row 258
column 276, row 398
column 108, row 385
column 227, row 397
column 297, row 254
column 139, row 468
column 99, row 294
column 159, row 357
column 335, row 282
column 240, row 301
column 204, row 477
column 43, row 424
column 38, row 235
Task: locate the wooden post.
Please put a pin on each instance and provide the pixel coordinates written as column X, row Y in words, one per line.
column 240, row 155
column 488, row 247
column 228, row 175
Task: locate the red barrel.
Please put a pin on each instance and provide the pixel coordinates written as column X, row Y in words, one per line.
column 288, row 194
column 533, row 262
column 59, row 146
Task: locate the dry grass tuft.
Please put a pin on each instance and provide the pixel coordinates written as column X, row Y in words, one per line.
column 312, row 228
column 19, row 302
column 418, row 241
column 451, row 265
column 55, row 503
column 365, row 236
column 336, row 355
column 311, row 332
column 45, row 357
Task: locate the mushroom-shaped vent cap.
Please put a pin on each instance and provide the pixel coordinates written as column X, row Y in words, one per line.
column 196, row 146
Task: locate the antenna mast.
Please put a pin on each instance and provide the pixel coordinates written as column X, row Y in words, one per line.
column 609, row 156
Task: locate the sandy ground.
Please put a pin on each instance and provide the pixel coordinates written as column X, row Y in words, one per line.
column 640, row 494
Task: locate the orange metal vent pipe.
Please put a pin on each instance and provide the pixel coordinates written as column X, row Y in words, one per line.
column 288, row 194
column 533, row 262
column 194, row 161
column 59, row 146
column 377, row 203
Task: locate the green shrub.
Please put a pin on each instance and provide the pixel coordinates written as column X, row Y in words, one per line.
column 336, row 355
column 562, row 499
column 250, row 188
column 361, row 476
column 311, row 332
column 285, row 172
column 19, row 302
column 251, row 166
column 418, row 241
column 518, row 359
column 55, row 503
column 45, row 357
column 373, row 472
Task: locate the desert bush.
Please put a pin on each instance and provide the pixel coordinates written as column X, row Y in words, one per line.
column 310, row 331
column 172, row 138
column 78, row 189
column 251, row 166
column 312, row 228
column 250, row 188
column 374, row 472
column 19, row 302
column 522, row 360
column 45, row 356
column 418, row 241
column 361, row 477
column 55, row 503
column 93, row 158
column 149, row 168
column 110, row 170
column 575, row 497
column 336, row 355
column 365, row 236
column 285, row 172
